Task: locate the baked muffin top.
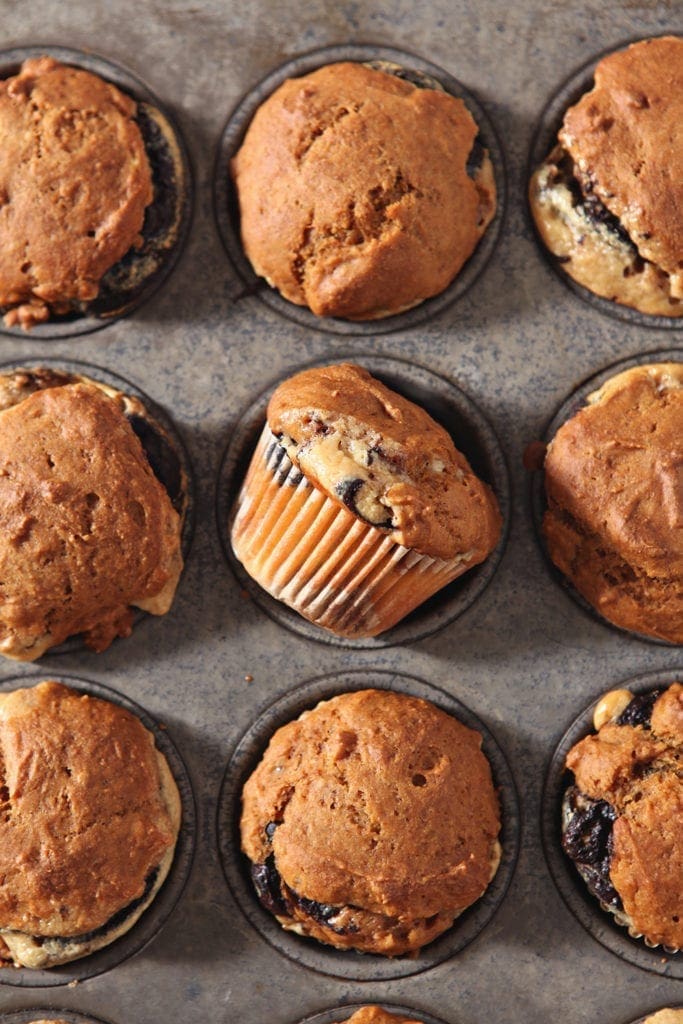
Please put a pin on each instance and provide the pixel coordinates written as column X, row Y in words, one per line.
column 379, row 800
column 613, row 472
column 626, row 141
column 385, row 459
column 637, row 771
column 84, row 815
column 666, row 1016
column 86, row 529
column 354, row 194
column 378, row 1015
column 74, row 184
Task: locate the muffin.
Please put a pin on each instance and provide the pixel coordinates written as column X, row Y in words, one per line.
column 361, row 194
column 371, row 822
column 622, row 817
column 86, row 529
column 378, row 1015
column 615, row 508
column 89, row 818
column 357, row 506
column 608, row 200
column 91, row 194
column 666, row 1016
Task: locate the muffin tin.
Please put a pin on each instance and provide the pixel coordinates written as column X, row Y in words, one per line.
column 522, row 657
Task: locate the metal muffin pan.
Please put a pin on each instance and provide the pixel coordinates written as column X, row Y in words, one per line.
column 158, row 912
column 169, row 157
column 423, row 74
column 349, row 964
column 472, row 435
column 523, row 658
column 571, row 886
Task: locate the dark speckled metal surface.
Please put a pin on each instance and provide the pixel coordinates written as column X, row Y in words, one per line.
column 524, row 658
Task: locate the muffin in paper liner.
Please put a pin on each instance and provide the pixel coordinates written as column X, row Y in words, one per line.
column 315, row 555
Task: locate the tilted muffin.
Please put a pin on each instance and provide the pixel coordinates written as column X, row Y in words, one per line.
column 614, row 524
column 86, row 528
column 623, row 817
column 78, row 178
column 355, row 194
column 378, row 1015
column 608, row 201
column 371, row 822
column 89, row 818
column 357, row 506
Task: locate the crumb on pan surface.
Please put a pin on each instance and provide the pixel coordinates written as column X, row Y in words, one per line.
column 608, row 200
column 623, row 818
column 89, row 819
column 74, row 184
column 371, row 822
column 354, row 193
column 614, row 523
column 87, row 530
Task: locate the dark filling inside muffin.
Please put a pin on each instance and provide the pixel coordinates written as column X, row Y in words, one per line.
column 584, row 197
column 639, row 710
column 349, row 492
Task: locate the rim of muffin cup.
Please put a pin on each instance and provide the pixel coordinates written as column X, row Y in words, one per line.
column 225, row 201
column 105, row 376
column 544, row 138
column 575, row 401
column 76, row 324
column 585, row 907
column 472, row 434
column 39, row 1013
column 342, row 1013
column 307, row 952
column 153, row 919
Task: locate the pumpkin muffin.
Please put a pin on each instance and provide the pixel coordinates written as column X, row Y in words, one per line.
column 623, row 816
column 357, row 506
column 378, row 1015
column 360, row 193
column 371, row 822
column 608, row 200
column 86, row 529
column 614, row 523
column 89, row 819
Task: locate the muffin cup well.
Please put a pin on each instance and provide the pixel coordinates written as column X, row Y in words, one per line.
column 327, row 960
column 174, row 468
column 342, row 1013
column 601, row 924
column 155, row 916
column 544, row 140
column 414, row 69
column 575, row 401
column 135, row 278
column 472, row 435
column 30, row 1015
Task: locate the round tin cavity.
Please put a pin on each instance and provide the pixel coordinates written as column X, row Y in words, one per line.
column 135, row 278
column 173, row 468
column 38, row 1014
column 308, row 953
column 156, row 915
column 414, row 69
column 575, row 401
column 573, row 890
column 544, row 140
column 342, row 1013
column 472, row 435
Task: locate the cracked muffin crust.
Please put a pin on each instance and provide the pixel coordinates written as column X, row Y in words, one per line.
column 355, row 194
column 378, row 1015
column 623, row 817
column 89, row 817
column 86, row 528
column 608, row 201
column 357, row 506
column 371, row 822
column 614, row 522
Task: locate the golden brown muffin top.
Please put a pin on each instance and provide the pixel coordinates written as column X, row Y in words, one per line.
column 378, row 1015
column 626, row 140
column 74, row 184
column 83, row 822
column 616, row 465
column 353, row 191
column 666, row 1016
column 381, row 801
column 347, row 426
column 86, row 529
column 637, row 771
